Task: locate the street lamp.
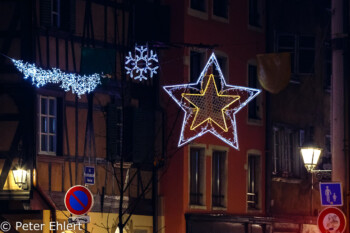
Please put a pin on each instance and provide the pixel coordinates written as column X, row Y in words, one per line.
column 20, row 176
column 310, row 155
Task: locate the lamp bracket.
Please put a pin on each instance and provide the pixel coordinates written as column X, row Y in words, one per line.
column 322, row 174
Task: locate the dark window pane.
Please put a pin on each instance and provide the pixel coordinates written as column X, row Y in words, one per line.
column 52, row 143
column 286, row 41
column 218, row 178
column 52, row 107
column 254, row 13
column 43, row 124
column 55, row 5
column 220, row 8
column 55, row 20
column 195, row 66
column 292, row 57
column 196, row 173
column 253, row 185
column 253, row 107
column 306, row 61
column 307, row 42
column 52, row 125
column 43, row 142
column 198, row 5
column 223, row 64
column 43, row 106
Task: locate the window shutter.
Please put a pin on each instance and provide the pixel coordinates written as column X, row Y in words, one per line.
column 114, row 132
column 143, row 136
column 72, row 15
column 68, row 15
column 45, row 13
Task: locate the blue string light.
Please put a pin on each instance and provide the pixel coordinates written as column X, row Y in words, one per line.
column 76, row 83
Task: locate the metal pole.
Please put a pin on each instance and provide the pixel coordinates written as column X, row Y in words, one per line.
column 312, row 190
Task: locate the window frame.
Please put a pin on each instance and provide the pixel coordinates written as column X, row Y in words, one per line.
column 224, row 151
column 297, row 48
column 56, row 13
column 48, row 116
column 225, row 70
column 198, row 13
column 202, row 178
column 258, row 99
column 287, row 165
column 218, row 17
column 258, row 190
column 261, row 9
column 202, row 63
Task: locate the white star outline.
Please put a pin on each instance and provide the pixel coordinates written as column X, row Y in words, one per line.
column 232, row 141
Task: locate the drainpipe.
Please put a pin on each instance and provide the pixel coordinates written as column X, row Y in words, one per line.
column 339, row 98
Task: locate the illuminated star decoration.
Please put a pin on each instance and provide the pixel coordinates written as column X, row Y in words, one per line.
column 69, row 81
column 143, row 62
column 210, row 105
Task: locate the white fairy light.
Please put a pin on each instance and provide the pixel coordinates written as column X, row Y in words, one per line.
column 229, row 136
column 143, row 62
column 76, row 83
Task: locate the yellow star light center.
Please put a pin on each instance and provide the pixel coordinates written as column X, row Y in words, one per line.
column 210, row 106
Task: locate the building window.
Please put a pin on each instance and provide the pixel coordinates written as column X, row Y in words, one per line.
column 287, row 161
column 114, row 132
column 56, row 13
column 255, row 105
column 254, row 180
column 302, row 52
column 219, row 179
column 223, row 63
column 199, row 5
column 197, row 176
column 48, row 125
column 196, row 65
column 255, row 13
column 220, row 8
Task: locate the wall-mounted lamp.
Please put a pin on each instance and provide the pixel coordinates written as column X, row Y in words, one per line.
column 310, row 154
column 20, row 177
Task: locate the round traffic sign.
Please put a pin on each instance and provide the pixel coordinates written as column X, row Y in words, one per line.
column 78, row 200
column 331, row 220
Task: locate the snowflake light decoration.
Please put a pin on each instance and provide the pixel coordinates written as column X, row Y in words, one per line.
column 143, row 62
column 76, row 83
column 210, row 107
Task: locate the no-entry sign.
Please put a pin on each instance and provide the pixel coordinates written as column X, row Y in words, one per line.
column 78, row 200
column 331, row 220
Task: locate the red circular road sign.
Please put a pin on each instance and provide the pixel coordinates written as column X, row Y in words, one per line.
column 331, row 220
column 78, row 200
